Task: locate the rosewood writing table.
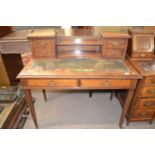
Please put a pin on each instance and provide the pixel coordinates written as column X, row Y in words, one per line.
column 78, row 60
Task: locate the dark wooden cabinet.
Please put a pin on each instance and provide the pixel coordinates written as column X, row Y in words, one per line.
column 12, row 46
column 13, row 65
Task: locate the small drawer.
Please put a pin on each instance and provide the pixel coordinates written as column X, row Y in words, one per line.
column 142, row 55
column 145, row 103
column 142, row 115
column 43, row 47
column 106, row 83
column 149, row 81
column 52, row 83
column 116, row 43
column 148, row 91
column 113, row 53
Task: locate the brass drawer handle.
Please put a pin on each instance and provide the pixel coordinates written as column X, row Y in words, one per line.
column 149, row 104
column 143, row 55
column 106, row 84
column 115, row 43
column 52, row 83
column 152, row 91
column 143, row 114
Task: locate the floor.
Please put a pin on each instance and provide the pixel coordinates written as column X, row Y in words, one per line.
column 75, row 110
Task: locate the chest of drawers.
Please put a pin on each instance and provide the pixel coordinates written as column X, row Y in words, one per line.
column 143, row 104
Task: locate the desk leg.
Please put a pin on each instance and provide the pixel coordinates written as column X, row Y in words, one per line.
column 90, row 94
column 126, row 107
column 30, row 104
column 44, row 94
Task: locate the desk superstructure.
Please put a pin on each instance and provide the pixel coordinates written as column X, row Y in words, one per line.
column 79, row 59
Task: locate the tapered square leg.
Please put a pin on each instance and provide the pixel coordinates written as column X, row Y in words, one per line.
column 126, row 107
column 29, row 101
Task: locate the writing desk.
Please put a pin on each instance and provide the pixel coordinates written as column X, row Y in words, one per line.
column 78, row 74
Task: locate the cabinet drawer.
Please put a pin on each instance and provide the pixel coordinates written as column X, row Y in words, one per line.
column 145, row 103
column 148, row 91
column 113, row 53
column 149, row 81
column 142, row 55
column 116, row 43
column 43, row 47
column 51, row 83
column 106, row 83
column 140, row 115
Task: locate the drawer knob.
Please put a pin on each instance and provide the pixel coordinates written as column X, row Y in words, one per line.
column 143, row 55
column 106, row 84
column 115, row 43
column 149, row 104
column 52, row 83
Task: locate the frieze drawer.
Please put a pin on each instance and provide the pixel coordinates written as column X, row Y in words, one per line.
column 106, row 83
column 51, row 83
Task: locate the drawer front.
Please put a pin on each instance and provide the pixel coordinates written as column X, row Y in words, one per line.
column 113, row 53
column 140, row 115
column 43, row 47
column 148, row 91
column 51, row 83
column 15, row 47
column 149, row 81
column 145, row 103
column 116, row 43
column 142, row 55
column 106, row 83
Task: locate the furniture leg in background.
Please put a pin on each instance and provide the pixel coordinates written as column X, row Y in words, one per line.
column 44, row 94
